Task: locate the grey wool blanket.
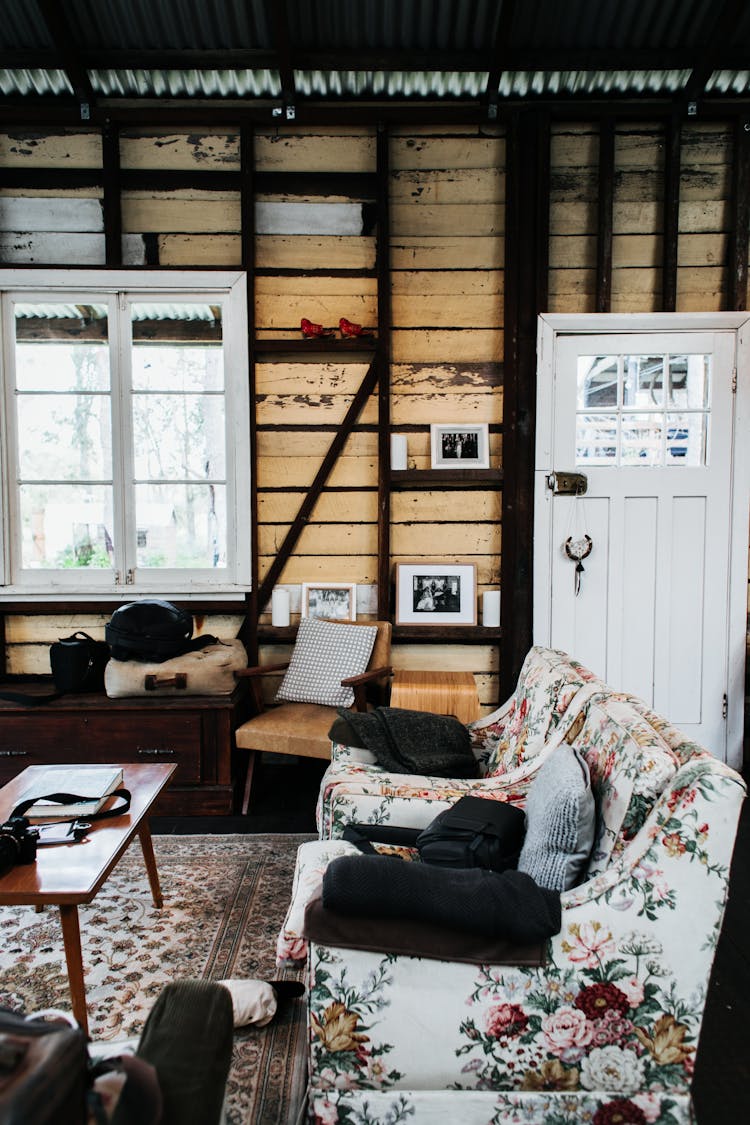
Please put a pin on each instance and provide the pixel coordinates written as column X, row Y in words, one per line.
column 415, row 741
column 505, row 904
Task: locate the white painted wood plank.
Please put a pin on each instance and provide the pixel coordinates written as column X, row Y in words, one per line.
column 308, row 218
column 638, row 606
column 19, row 248
column 35, row 215
column 687, row 585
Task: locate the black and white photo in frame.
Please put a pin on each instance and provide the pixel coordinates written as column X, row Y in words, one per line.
column 336, row 600
column 460, row 445
column 436, row 594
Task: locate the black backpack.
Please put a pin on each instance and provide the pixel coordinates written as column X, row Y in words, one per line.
column 152, row 631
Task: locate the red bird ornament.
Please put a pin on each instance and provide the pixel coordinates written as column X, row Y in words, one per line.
column 349, row 329
column 314, row 331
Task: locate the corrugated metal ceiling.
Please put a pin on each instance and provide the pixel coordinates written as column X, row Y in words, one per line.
column 400, row 50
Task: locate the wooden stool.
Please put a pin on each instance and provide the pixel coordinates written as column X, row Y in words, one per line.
column 442, row 693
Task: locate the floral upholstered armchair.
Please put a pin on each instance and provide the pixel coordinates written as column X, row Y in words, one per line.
column 510, row 745
column 606, row 1030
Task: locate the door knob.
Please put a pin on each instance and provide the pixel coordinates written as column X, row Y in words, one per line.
column 567, row 484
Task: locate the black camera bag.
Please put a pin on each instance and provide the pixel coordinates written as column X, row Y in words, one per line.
column 77, row 663
column 475, row 832
column 43, row 1071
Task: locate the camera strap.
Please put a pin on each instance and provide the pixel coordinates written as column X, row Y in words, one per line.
column 73, row 798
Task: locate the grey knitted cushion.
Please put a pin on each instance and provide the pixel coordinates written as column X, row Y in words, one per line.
column 560, row 821
column 325, row 653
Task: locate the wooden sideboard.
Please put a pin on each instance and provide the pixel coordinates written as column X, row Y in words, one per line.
column 196, row 733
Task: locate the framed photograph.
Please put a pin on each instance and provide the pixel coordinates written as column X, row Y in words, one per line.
column 337, row 600
column 460, row 446
column 436, row 593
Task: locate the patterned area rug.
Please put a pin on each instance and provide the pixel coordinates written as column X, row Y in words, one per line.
column 224, row 900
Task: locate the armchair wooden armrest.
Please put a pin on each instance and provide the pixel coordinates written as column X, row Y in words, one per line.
column 253, row 673
column 359, row 684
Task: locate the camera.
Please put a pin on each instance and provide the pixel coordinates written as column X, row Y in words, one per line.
column 17, row 843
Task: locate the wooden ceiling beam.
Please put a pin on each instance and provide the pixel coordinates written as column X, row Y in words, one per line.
column 58, row 27
column 278, row 17
column 501, row 54
column 724, row 23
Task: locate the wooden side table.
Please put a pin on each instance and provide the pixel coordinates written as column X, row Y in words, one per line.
column 442, row 693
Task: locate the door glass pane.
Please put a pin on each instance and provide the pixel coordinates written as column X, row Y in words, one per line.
column 66, row 526
column 596, row 439
column 597, row 381
column 64, row 435
column 686, row 439
column 641, row 439
column 181, row 526
column 689, row 381
column 179, row 435
column 643, row 381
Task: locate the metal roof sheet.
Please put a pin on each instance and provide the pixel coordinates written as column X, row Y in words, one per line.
column 439, row 49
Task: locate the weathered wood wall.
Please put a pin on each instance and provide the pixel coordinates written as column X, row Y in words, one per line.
column 447, row 215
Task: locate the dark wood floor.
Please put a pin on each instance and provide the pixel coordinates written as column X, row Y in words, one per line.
column 283, row 800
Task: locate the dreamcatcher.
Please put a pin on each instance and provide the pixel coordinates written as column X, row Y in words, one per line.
column 578, row 545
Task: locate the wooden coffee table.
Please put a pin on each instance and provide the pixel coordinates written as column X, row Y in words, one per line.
column 68, row 875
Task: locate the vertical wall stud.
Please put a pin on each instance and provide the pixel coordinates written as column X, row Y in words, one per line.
column 671, row 213
column 111, row 195
column 526, row 272
column 738, row 241
column 604, row 221
column 384, row 370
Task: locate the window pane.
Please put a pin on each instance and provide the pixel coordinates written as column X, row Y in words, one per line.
column 64, row 437
column 643, row 381
column 61, row 347
column 179, row 437
column 641, row 437
column 177, row 347
column 66, row 526
column 689, row 381
column 181, row 526
column 596, row 439
column 686, row 439
column 597, row 381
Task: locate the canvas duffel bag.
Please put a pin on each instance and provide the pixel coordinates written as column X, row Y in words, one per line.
column 208, row 671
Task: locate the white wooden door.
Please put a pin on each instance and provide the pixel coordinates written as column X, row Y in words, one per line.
column 647, row 418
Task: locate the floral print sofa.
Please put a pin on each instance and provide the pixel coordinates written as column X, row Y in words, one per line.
column 510, row 745
column 606, row 1030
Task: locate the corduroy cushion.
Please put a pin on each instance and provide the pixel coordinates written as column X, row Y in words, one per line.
column 560, row 821
column 324, row 654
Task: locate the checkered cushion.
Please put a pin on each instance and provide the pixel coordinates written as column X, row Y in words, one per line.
column 324, row 654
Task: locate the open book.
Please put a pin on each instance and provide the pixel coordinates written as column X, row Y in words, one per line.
column 92, row 784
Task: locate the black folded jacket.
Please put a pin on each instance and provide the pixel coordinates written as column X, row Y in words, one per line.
column 508, row 904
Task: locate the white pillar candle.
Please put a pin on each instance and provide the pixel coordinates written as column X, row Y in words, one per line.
column 491, row 609
column 280, row 606
column 398, row 451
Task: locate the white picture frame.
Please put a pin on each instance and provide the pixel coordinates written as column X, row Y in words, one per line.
column 436, row 593
column 460, row 445
column 336, row 601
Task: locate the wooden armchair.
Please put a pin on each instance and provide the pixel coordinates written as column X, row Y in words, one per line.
column 302, row 728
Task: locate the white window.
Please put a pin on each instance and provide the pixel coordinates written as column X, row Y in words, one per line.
column 125, row 422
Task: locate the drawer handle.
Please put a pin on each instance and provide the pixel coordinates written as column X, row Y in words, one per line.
column 14, row 753
column 157, row 752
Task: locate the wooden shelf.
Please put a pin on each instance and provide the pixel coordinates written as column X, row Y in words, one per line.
column 429, row 634
column 413, row 479
column 315, row 350
column 445, row 634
